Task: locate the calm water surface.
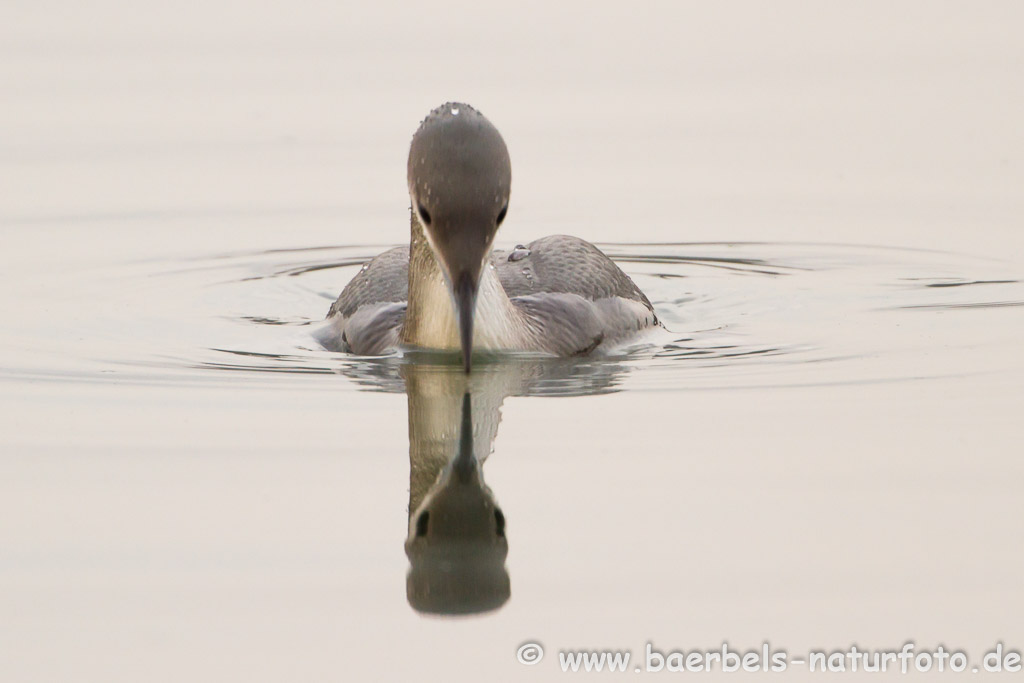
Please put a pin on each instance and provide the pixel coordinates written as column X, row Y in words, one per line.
column 823, row 448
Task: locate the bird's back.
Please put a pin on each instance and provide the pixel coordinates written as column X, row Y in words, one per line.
column 574, row 296
column 383, row 279
column 561, row 264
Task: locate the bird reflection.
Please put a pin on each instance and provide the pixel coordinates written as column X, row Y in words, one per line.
column 456, row 542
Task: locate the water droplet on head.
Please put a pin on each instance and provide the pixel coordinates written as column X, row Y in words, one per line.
column 455, row 111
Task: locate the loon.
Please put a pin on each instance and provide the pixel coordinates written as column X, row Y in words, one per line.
column 450, row 290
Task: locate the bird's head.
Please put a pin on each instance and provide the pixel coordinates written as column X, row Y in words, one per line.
column 460, row 177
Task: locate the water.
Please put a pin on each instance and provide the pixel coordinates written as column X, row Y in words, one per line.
column 736, row 315
column 822, row 449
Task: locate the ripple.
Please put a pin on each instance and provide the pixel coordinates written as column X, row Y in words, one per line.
column 738, row 315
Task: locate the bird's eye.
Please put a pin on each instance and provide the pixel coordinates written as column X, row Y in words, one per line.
column 424, row 214
column 499, row 522
column 501, row 214
column 422, row 524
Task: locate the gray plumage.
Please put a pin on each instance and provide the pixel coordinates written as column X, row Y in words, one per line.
column 384, row 279
column 557, row 285
column 558, row 295
column 561, row 264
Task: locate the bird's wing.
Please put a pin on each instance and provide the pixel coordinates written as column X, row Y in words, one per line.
column 383, row 279
column 561, row 264
column 368, row 315
column 575, row 295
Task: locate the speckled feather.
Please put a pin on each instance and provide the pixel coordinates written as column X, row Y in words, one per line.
column 384, row 279
column 549, row 286
column 560, row 264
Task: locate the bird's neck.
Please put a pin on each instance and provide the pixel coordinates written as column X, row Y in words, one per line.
column 430, row 318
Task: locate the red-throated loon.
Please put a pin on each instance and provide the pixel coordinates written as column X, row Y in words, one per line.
column 449, row 290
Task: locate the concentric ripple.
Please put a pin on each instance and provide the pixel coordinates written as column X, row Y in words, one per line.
column 736, row 315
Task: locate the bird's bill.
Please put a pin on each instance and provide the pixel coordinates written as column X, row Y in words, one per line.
column 464, row 291
column 462, row 248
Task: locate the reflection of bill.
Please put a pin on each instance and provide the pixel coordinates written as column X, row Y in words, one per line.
column 456, row 542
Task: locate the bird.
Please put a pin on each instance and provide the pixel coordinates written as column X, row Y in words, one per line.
column 451, row 290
